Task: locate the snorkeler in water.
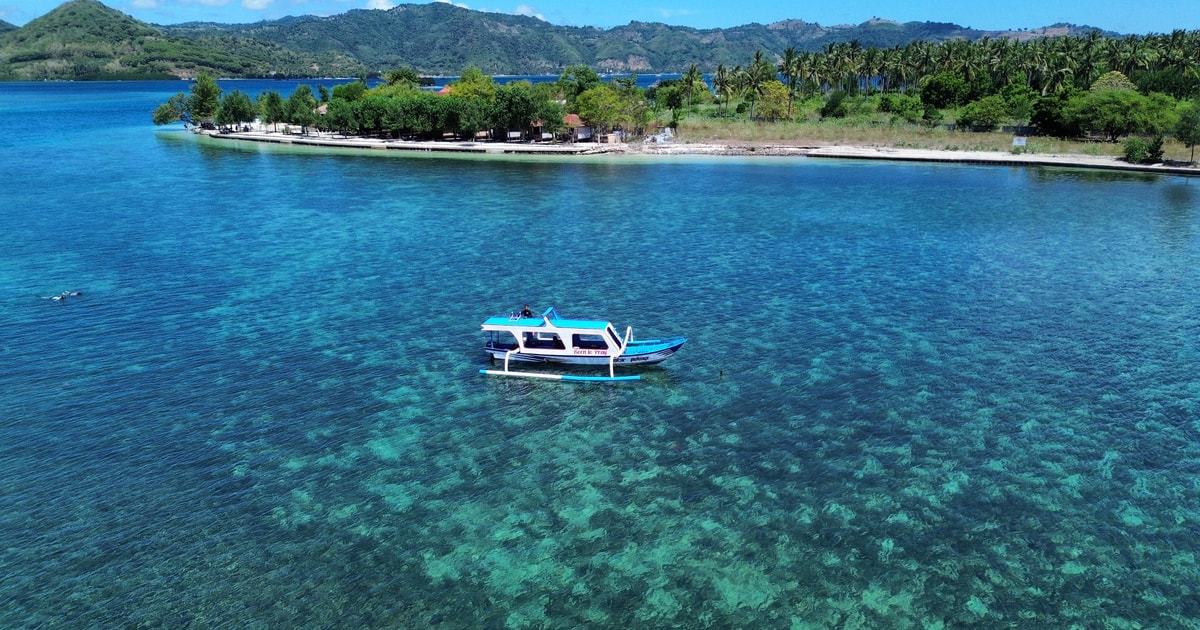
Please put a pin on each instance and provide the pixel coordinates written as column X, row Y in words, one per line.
column 62, row 297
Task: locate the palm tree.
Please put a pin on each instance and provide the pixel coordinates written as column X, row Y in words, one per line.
column 723, row 84
column 756, row 77
column 1087, row 56
column 1129, row 54
column 737, row 82
column 790, row 69
column 872, row 66
column 692, row 81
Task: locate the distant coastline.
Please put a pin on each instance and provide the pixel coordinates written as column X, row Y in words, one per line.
column 995, row 158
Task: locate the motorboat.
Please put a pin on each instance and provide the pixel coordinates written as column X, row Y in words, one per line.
column 552, row 338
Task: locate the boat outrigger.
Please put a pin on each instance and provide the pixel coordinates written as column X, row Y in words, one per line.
column 552, row 338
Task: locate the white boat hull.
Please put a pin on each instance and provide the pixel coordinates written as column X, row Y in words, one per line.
column 641, row 352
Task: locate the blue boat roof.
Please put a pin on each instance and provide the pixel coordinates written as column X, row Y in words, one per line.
column 504, row 320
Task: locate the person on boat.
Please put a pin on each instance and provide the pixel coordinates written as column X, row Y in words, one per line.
column 526, row 312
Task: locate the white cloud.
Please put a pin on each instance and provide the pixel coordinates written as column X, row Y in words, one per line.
column 144, row 4
column 671, row 13
column 457, row 4
column 256, row 5
column 382, row 5
column 525, row 9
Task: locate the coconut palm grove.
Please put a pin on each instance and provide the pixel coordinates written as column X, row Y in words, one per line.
column 1140, row 89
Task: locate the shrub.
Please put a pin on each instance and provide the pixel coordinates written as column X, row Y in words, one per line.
column 1154, row 150
column 1050, row 116
column 835, row 106
column 932, row 116
column 1140, row 151
column 944, row 90
column 902, row 106
column 985, row 114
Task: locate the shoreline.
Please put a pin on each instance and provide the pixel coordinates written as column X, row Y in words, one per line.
column 994, row 158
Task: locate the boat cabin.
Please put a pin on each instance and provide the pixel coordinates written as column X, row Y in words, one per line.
column 552, row 335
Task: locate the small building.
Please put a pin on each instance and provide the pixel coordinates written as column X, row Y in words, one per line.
column 576, row 130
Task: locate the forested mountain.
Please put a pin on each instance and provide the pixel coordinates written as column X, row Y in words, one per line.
column 86, row 39
column 6, row 27
column 440, row 38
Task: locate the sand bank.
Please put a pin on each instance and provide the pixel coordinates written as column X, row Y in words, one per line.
column 681, row 148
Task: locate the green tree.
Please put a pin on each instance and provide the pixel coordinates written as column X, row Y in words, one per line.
column 599, row 106
column 634, row 111
column 341, row 116
column 754, row 77
column 205, row 97
column 370, row 111
column 667, row 94
column 473, row 83
column 576, row 80
column 986, row 113
column 235, row 109
column 1116, row 113
column 1113, row 81
column 1018, row 100
column 271, row 108
column 350, row 92
column 725, row 85
column 905, row 106
column 692, row 84
column 944, row 90
column 835, row 105
column 300, row 108
column 1052, row 118
column 403, row 76
column 773, row 102
column 1187, row 129
column 514, row 107
column 792, row 68
column 473, row 116
column 550, row 113
column 176, row 108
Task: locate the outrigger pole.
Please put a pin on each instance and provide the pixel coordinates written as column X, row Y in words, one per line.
column 562, row 377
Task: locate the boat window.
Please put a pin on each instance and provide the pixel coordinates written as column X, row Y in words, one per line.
column 613, row 334
column 589, row 342
column 545, row 341
column 501, row 340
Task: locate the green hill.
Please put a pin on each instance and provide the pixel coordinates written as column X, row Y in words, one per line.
column 6, row 27
column 440, row 38
column 435, row 38
column 84, row 39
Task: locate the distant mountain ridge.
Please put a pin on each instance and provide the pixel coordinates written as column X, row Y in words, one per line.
column 442, row 38
column 87, row 39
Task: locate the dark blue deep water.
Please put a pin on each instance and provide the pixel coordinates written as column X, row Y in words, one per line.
column 913, row 396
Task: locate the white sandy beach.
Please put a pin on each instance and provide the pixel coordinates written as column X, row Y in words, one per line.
column 330, row 140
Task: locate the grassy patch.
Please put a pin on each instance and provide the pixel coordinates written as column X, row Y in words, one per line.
column 877, row 131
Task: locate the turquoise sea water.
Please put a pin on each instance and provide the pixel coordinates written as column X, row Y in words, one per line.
column 913, row 396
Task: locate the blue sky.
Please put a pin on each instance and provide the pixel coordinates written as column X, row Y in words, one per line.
column 1124, row 16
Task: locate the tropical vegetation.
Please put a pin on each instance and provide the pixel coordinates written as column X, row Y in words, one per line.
column 1140, row 89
